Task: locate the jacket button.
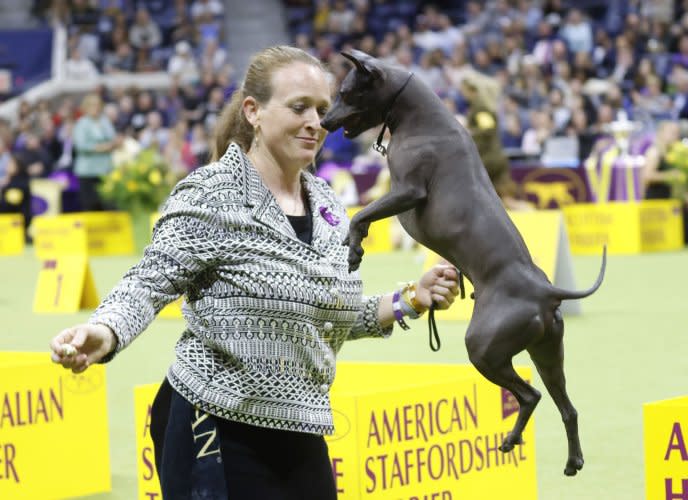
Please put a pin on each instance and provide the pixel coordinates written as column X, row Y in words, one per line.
column 327, row 326
column 328, row 360
column 324, row 388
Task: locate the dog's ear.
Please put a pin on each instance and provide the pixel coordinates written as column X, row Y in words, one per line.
column 363, row 64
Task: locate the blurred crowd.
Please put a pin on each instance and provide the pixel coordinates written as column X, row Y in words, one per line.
column 183, row 38
column 517, row 73
column 562, row 68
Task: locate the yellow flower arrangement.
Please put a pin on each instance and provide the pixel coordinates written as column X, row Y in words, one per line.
column 139, row 185
column 677, row 158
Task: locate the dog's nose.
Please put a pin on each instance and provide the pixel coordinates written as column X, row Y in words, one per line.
column 326, row 123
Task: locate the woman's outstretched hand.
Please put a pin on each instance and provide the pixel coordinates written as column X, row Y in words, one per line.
column 80, row 346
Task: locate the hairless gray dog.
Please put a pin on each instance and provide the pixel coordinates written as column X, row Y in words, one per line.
column 444, row 199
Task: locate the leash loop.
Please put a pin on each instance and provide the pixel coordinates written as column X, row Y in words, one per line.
column 433, row 334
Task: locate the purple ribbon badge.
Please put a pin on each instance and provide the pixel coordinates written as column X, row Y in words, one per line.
column 331, row 219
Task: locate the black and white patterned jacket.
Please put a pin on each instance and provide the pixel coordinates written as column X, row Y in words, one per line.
column 266, row 313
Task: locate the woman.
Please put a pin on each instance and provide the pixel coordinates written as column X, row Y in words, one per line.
column 94, row 140
column 254, row 243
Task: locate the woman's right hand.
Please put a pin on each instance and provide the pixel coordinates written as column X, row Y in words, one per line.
column 79, row 347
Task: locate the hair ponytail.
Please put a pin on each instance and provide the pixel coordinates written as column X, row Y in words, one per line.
column 232, row 126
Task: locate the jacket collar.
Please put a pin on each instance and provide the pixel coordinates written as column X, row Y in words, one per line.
column 266, row 210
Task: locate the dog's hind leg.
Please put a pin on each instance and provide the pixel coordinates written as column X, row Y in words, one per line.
column 548, row 356
column 493, row 361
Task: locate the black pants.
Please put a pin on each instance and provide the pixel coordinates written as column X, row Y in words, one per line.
column 89, row 198
column 259, row 463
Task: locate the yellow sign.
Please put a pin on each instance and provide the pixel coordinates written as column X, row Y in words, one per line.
column 666, row 449
column 426, row 431
column 626, row 228
column 545, row 236
column 65, row 285
column 92, row 233
column 58, row 235
column 54, row 428
column 11, row 234
column 379, row 238
column 109, row 233
column 149, row 484
column 408, row 431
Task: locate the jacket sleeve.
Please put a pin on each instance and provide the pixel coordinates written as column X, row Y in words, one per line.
column 187, row 239
column 367, row 323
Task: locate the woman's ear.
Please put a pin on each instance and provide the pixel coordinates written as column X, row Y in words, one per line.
column 250, row 109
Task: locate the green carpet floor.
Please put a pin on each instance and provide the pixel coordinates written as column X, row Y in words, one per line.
column 628, row 348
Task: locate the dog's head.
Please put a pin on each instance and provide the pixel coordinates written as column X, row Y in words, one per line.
column 359, row 104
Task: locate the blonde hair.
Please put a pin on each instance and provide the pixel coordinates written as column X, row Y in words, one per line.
column 487, row 89
column 232, row 125
column 89, row 101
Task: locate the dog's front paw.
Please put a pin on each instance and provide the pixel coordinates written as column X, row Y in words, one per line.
column 573, row 465
column 509, row 443
column 355, row 257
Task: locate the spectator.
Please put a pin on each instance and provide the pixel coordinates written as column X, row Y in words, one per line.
column 430, row 71
column 578, row 128
column 154, row 135
column 49, row 139
column 199, row 146
column 213, row 107
column 145, row 33
column 182, row 64
column 539, row 131
column 561, row 114
column 341, row 18
column 457, row 66
column 544, row 41
column 192, row 104
column 33, row 157
column 603, row 53
column 624, row 68
column 143, row 107
column 185, row 31
column 213, row 57
column 122, row 60
column 577, row 32
column 204, row 11
column 651, row 103
column 512, row 132
column 79, row 68
column 177, row 151
column 94, row 139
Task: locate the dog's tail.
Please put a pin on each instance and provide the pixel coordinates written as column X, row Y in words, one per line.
column 562, row 294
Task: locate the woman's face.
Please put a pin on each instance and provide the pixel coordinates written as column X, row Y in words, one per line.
column 290, row 121
column 94, row 107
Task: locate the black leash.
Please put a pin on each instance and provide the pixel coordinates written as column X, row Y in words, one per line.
column 434, row 336
column 378, row 144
